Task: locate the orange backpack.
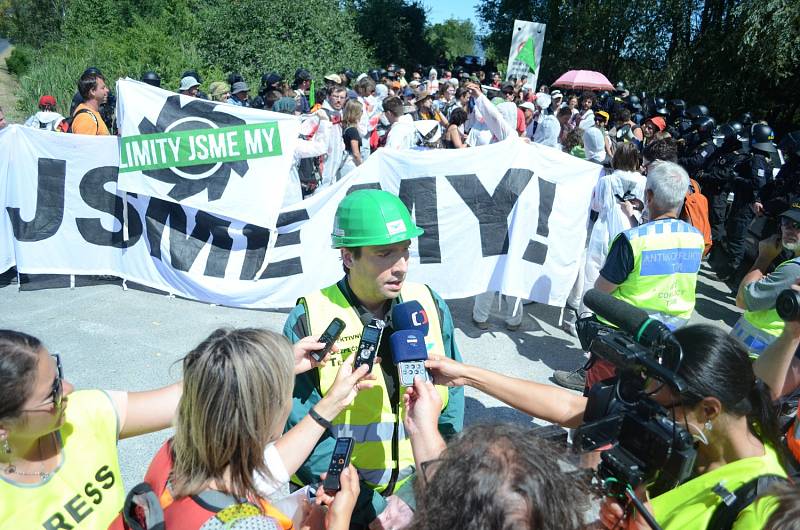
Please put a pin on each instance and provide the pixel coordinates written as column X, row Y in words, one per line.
column 695, row 212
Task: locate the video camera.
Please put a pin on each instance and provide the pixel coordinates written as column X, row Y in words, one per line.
column 648, row 447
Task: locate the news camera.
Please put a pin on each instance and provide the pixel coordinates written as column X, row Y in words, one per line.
column 648, row 447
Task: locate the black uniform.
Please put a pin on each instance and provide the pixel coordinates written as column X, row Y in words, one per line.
column 698, row 157
column 747, row 190
column 716, row 182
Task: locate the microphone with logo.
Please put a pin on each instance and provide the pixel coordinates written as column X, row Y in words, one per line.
column 409, row 351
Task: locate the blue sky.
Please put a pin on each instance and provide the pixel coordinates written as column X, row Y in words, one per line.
column 440, row 10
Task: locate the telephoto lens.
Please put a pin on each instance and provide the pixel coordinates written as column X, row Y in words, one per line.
column 788, row 305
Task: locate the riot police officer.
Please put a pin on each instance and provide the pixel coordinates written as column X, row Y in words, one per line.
column 698, row 147
column 152, row 79
column 269, row 81
column 786, row 188
column 747, row 201
column 716, row 182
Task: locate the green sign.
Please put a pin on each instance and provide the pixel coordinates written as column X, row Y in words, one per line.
column 528, row 54
column 199, row 147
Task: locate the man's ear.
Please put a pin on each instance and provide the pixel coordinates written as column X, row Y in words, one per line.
column 347, row 257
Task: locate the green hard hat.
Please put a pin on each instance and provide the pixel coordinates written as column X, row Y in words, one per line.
column 372, row 217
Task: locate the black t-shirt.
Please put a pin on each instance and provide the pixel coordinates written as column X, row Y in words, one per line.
column 351, row 133
column 619, row 262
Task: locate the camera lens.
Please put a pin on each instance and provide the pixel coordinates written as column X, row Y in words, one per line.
column 788, row 305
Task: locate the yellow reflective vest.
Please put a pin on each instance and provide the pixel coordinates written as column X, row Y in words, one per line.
column 667, row 255
column 382, row 453
column 691, row 505
column 85, row 492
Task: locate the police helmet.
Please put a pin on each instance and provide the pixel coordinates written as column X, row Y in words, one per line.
column 761, row 138
column 234, row 77
column 634, row 103
column 747, row 119
column 151, row 78
column 92, row 70
column 730, row 131
column 791, row 143
column 704, row 125
column 192, row 73
column 696, row 111
column 301, row 74
column 391, row 67
column 620, row 86
column 375, row 74
column 638, row 118
column 659, row 107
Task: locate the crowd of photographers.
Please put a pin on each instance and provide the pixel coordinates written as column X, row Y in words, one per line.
column 686, row 426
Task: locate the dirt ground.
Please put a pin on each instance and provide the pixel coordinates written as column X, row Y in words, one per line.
column 9, row 89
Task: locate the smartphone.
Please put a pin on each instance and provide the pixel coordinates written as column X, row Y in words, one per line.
column 370, row 341
column 340, row 459
column 329, row 337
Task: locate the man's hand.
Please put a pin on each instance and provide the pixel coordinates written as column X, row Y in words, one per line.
column 423, row 406
column 347, row 384
column 340, row 504
column 758, row 209
column 474, row 90
column 303, row 362
column 446, row 371
column 612, row 516
column 396, row 515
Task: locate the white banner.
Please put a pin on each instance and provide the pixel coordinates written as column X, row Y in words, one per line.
column 6, row 248
column 509, row 216
column 203, row 154
column 525, row 56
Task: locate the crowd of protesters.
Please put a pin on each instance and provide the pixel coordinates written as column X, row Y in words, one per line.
column 675, row 188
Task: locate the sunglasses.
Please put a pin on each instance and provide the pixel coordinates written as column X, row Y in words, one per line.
column 57, row 391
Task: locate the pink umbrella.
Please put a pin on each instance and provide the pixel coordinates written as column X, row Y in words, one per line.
column 583, row 79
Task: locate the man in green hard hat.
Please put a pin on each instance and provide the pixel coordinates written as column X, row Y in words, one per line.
column 373, row 230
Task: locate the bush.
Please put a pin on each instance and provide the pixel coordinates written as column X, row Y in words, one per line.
column 18, row 62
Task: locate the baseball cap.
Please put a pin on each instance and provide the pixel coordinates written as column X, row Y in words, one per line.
column 556, row 94
column 528, row 105
column 793, row 212
column 188, row 82
column 47, row 100
column 239, row 86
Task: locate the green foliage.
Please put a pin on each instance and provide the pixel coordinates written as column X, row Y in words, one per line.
column 255, row 36
column 395, row 29
column 32, row 22
column 18, row 62
column 733, row 55
column 452, row 38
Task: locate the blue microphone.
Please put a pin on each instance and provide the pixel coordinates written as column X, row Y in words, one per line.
column 409, row 353
column 410, row 315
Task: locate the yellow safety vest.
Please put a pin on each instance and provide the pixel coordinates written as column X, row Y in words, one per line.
column 691, row 505
column 667, row 256
column 85, row 491
column 758, row 329
column 371, row 420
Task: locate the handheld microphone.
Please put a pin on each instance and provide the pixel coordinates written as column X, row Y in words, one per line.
column 410, row 315
column 409, row 353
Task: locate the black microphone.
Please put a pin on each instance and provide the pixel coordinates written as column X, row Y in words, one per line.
column 645, row 330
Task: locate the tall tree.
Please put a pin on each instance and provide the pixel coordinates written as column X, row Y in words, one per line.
column 395, row 29
column 452, row 38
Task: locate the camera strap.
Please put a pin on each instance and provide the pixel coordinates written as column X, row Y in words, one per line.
column 734, row 502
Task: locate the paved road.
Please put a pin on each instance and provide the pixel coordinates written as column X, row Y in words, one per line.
column 4, row 44
column 130, row 340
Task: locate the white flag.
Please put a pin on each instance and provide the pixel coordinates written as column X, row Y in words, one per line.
column 525, row 56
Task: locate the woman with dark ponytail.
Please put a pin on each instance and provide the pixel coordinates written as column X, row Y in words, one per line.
column 731, row 417
column 724, row 407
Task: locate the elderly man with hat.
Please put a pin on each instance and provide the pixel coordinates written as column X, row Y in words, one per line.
column 373, row 231
column 760, row 324
column 189, row 86
column 240, row 94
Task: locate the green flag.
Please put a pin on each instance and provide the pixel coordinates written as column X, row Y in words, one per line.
column 528, row 54
column 312, row 96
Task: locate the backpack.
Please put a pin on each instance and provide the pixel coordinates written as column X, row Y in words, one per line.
column 734, row 502
column 695, row 212
column 71, row 119
column 149, row 505
column 58, row 123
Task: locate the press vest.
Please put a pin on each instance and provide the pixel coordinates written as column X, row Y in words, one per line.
column 382, row 453
column 85, row 491
column 758, row 329
column 666, row 259
column 691, row 505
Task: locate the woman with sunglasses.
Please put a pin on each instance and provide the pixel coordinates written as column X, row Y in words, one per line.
column 728, row 413
column 58, row 448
